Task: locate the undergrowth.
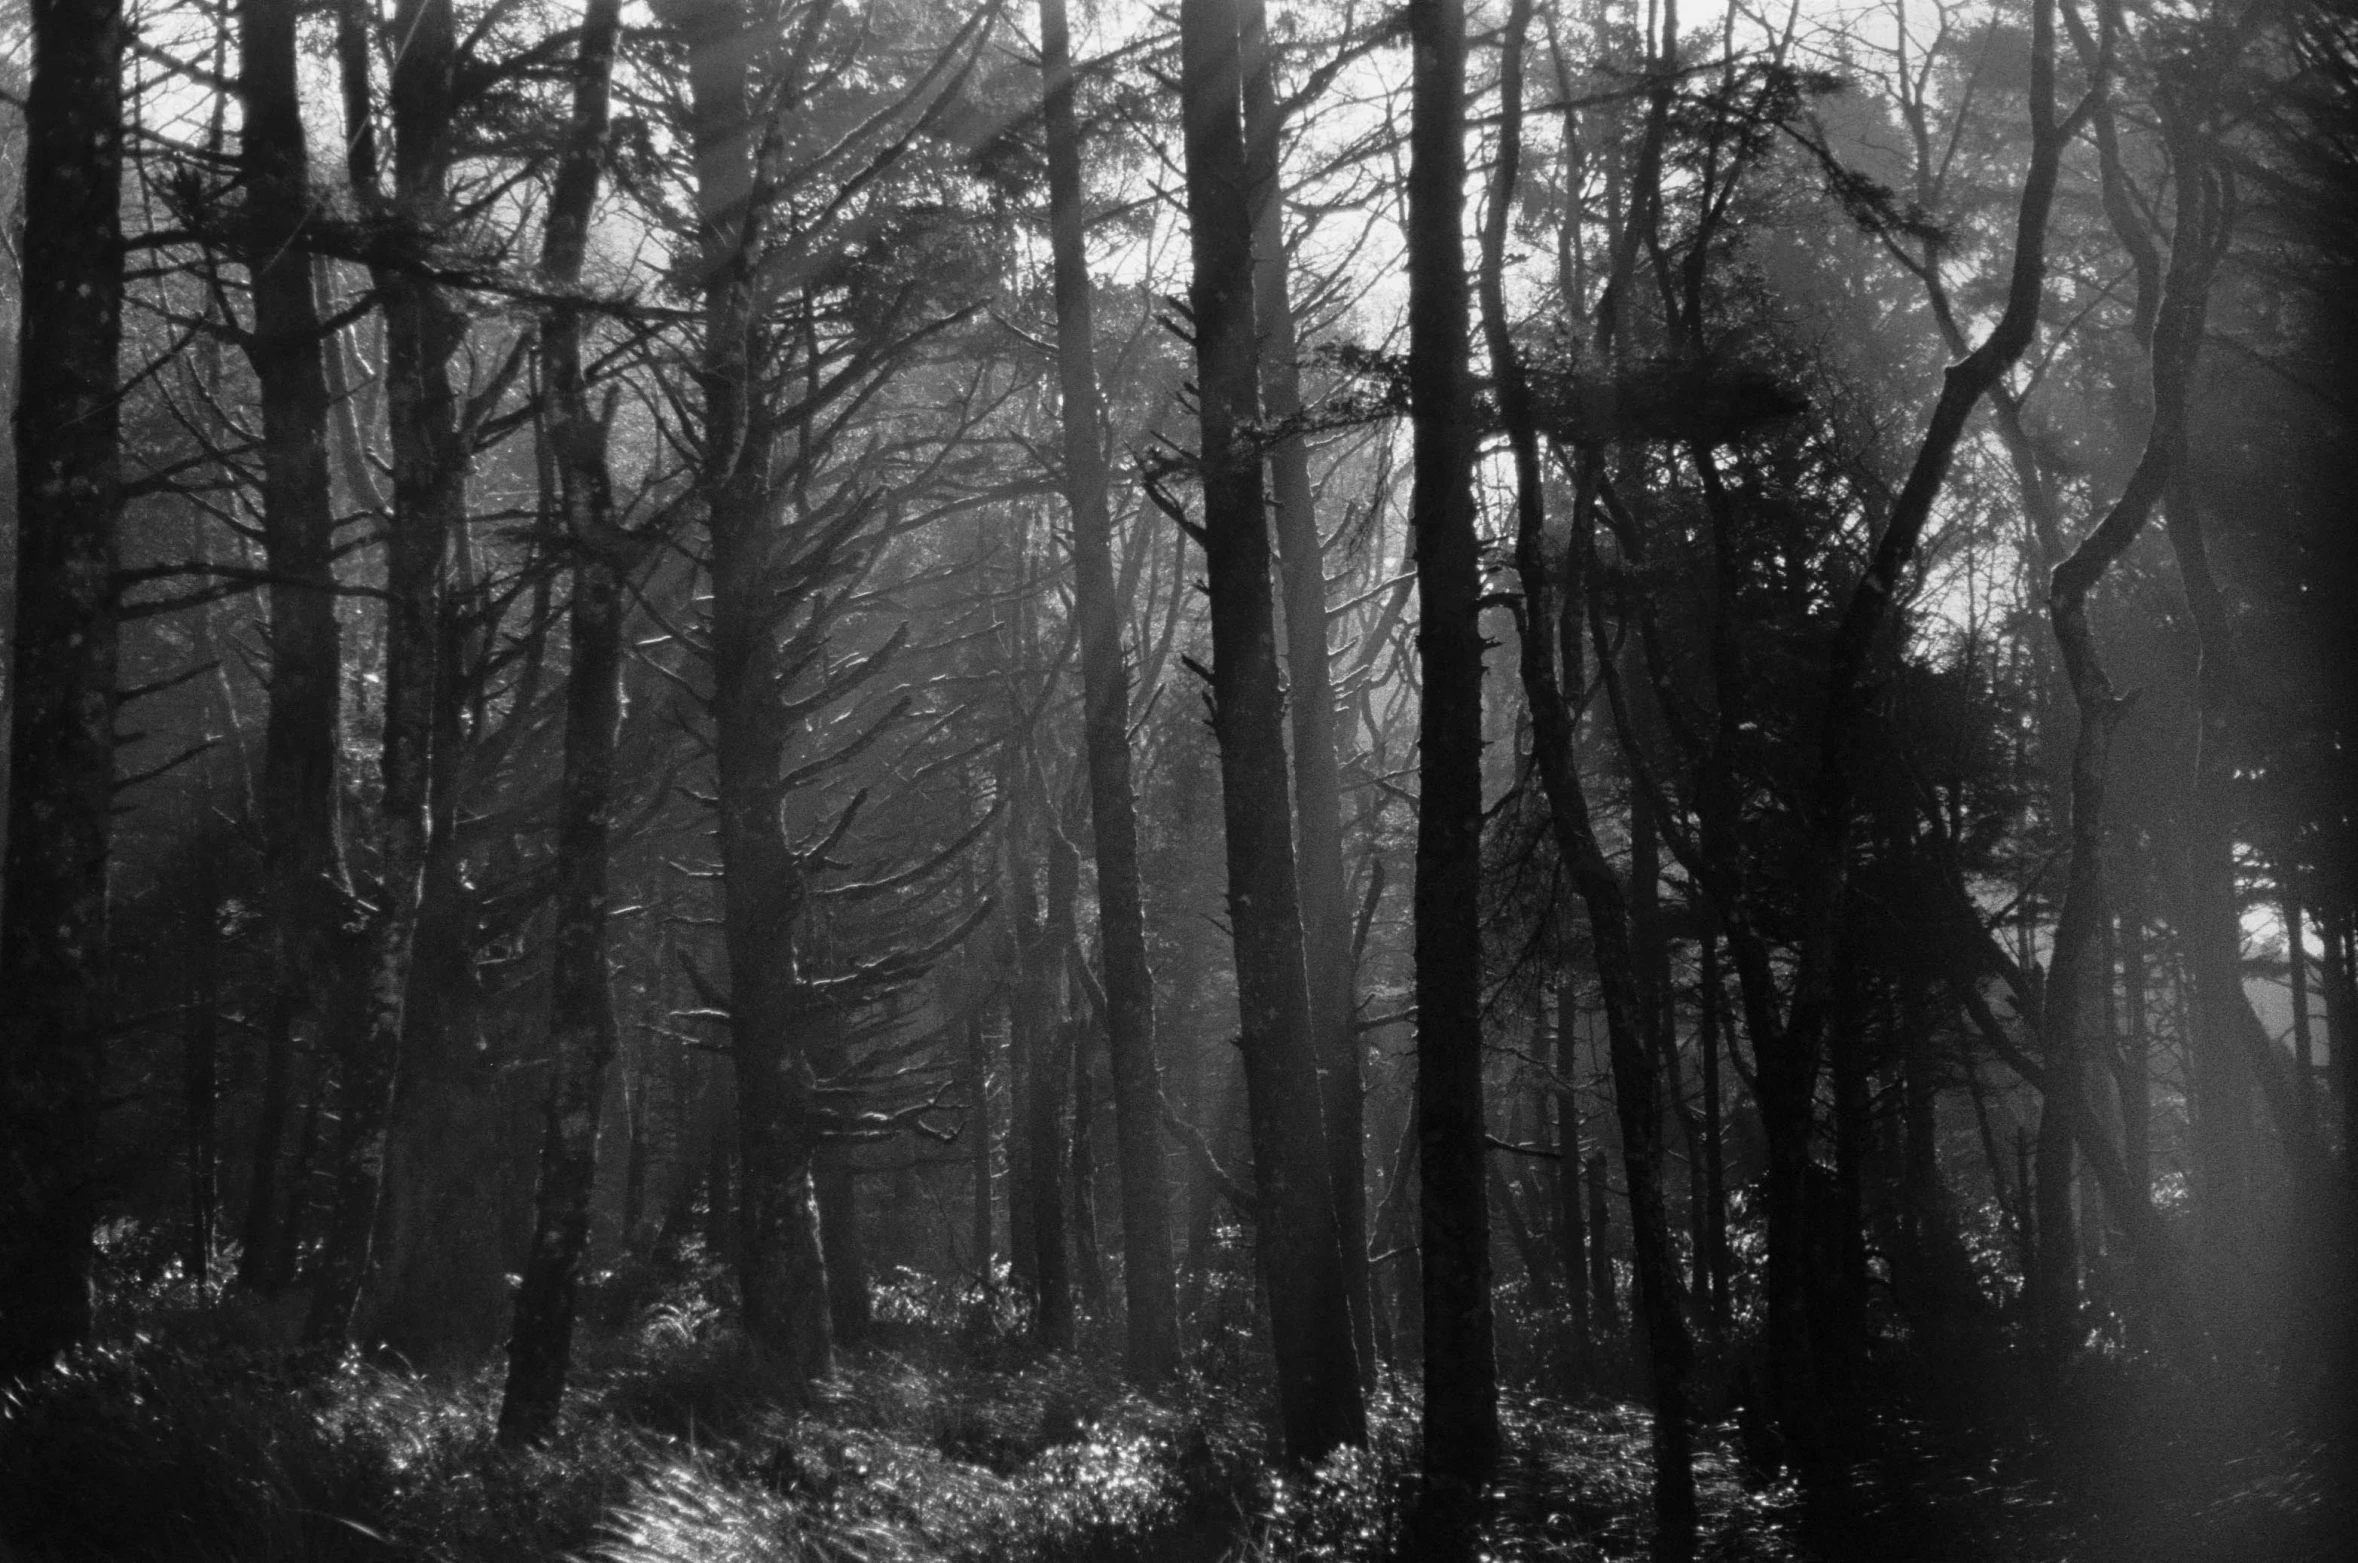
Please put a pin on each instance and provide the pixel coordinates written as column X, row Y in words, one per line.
column 946, row 1439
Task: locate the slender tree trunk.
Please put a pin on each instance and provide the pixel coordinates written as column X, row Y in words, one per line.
column 1635, row 1075
column 1318, row 791
column 836, row 1183
column 978, row 1074
column 582, row 1027
column 200, row 1060
column 69, row 503
column 1461, row 1435
column 1715, row 1190
column 780, row 1269
column 1040, row 1035
column 1319, row 1399
column 303, row 859
column 1787, row 1054
column 1147, row 1279
column 2176, row 337
column 1571, row 1216
column 429, row 497
column 2136, row 1076
column 1088, row 1269
column 1604, row 1298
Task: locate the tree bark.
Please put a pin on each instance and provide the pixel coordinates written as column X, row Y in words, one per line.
column 1319, row 1399
column 422, row 330
column 298, row 795
column 2177, row 336
column 1318, row 790
column 1152, row 1352
column 1461, row 1436
column 582, row 1027
column 200, row 1057
column 1610, row 915
column 1571, row 1216
column 69, row 504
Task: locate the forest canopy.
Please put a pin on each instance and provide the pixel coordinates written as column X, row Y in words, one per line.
column 822, row 778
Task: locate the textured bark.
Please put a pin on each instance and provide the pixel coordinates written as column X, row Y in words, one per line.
column 1088, row 1263
column 1571, row 1214
column 1301, row 1252
column 2177, row 336
column 69, row 503
column 582, row 1029
column 1310, row 707
column 978, row 1123
column 1039, row 1043
column 2136, row 1063
column 1461, row 1437
column 422, row 330
column 1614, row 924
column 781, row 1274
column 200, row 1058
column 1148, row 1292
column 1711, row 1016
column 298, row 792
column 835, row 1182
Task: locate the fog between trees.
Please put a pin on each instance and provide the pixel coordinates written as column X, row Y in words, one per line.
column 1470, row 744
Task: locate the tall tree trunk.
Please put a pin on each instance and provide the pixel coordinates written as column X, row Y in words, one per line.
column 836, row 1183
column 422, row 330
column 1571, row 1216
column 1636, row 1090
column 1318, row 789
column 1038, row 1033
column 1787, row 1053
column 1088, row 1267
column 1152, row 1352
column 2136, row 1067
column 303, row 858
column 780, row 1270
column 2177, row 336
column 200, row 1057
column 1461, row 1436
column 1319, row 1398
column 1711, row 1017
column 69, row 503
column 978, row 1075
column 582, row 1027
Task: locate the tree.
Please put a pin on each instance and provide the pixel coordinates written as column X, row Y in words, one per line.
column 299, row 767
column 1129, row 985
column 1461, row 1439
column 422, row 331
column 53, row 942
column 1300, row 1246
column 582, row 1029
column 1545, row 629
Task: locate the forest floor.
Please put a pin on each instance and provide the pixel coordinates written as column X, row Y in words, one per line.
column 183, row 1436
